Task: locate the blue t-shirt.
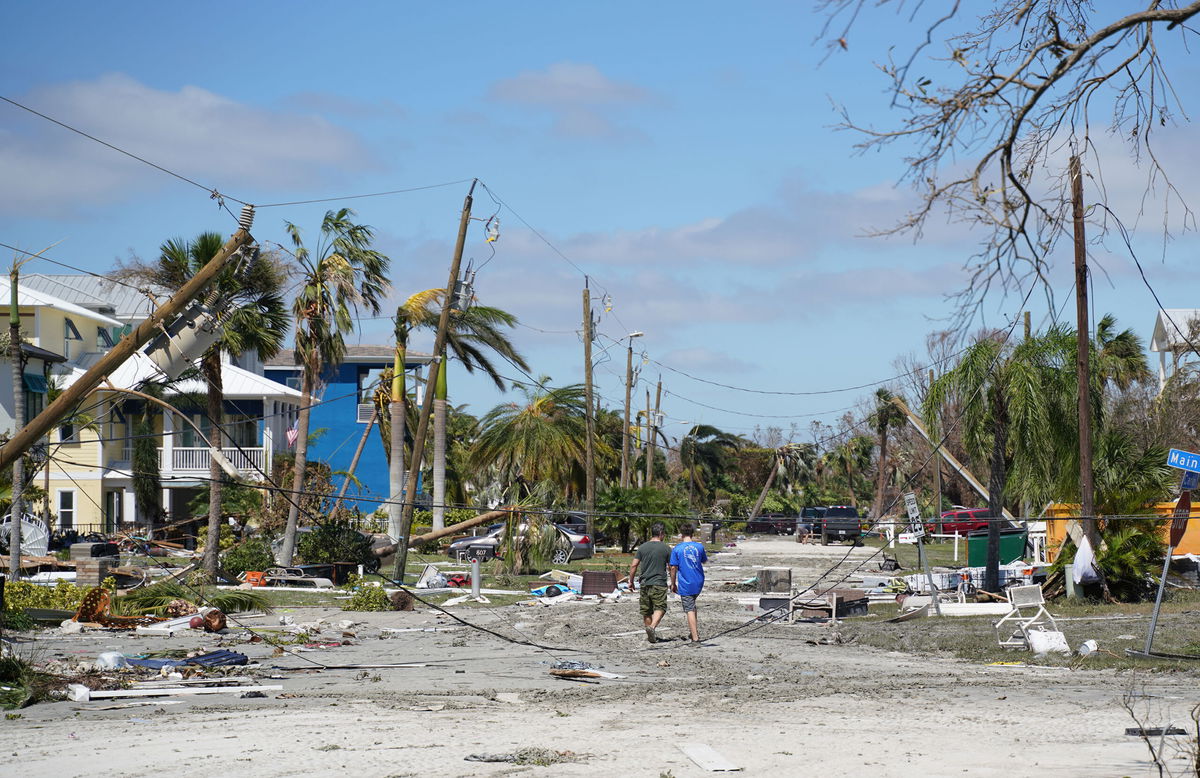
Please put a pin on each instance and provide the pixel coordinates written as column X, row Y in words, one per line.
column 689, row 558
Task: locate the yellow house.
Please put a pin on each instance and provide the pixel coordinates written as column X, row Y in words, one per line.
column 1058, row 514
column 89, row 479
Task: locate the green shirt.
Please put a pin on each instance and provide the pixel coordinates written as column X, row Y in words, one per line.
column 652, row 559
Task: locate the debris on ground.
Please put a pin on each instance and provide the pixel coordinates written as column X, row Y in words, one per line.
column 540, row 757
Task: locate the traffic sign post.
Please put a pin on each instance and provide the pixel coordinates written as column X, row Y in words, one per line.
column 1179, row 520
column 917, row 529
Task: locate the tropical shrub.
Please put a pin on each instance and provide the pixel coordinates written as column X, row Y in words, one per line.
column 253, row 554
column 23, row 594
column 366, row 597
column 335, row 542
column 154, row 599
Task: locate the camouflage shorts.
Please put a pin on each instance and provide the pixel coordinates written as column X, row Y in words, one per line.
column 653, row 598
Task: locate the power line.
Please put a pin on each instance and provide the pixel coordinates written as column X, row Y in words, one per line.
column 755, row 415
column 213, row 193
column 361, row 196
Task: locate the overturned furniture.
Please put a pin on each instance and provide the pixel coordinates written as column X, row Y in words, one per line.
column 1028, row 611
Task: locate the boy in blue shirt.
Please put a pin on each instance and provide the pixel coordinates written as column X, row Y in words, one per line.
column 687, row 575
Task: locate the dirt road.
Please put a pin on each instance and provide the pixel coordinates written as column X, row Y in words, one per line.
column 766, row 699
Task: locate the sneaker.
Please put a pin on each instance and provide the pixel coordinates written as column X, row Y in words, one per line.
column 650, row 638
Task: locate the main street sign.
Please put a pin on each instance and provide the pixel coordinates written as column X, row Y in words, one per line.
column 1184, row 460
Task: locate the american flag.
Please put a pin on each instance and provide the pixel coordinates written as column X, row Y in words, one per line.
column 293, row 433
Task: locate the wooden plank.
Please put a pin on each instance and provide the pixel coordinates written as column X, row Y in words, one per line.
column 706, row 757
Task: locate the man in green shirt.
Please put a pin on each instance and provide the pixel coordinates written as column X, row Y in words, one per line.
column 651, row 559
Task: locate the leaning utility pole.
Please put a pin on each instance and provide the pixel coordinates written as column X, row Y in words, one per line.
column 435, row 366
column 161, row 317
column 937, row 476
column 1087, row 510
column 18, row 465
column 589, row 475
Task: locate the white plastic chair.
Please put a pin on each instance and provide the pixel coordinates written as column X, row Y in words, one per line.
column 1028, row 611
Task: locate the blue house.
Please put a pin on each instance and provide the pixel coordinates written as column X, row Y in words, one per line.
column 343, row 408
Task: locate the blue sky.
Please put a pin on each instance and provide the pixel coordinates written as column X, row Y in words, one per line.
column 684, row 157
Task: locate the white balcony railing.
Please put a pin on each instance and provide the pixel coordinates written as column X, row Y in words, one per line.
column 249, row 460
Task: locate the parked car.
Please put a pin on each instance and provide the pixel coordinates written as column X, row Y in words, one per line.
column 772, row 524
column 960, row 522
column 840, row 522
column 571, row 545
column 810, row 517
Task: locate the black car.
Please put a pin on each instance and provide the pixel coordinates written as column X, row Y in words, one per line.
column 772, row 524
column 840, row 522
column 810, row 517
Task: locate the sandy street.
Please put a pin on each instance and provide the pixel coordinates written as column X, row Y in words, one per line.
column 765, row 699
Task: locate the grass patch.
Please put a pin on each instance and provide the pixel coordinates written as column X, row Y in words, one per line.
column 974, row 639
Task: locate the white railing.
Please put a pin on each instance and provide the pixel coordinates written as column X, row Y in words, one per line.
column 365, row 412
column 247, row 459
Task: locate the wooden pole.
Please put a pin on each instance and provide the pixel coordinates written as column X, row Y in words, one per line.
column 590, row 419
column 362, row 443
column 625, row 441
column 651, row 429
column 73, row 394
column 435, row 366
column 1082, row 365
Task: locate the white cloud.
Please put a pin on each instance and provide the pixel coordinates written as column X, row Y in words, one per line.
column 567, row 84
column 207, row 137
column 580, row 99
column 341, row 105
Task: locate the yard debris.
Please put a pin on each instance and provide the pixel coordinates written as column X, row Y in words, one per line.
column 79, row 693
column 570, row 669
column 1154, row 731
column 707, row 758
column 542, row 757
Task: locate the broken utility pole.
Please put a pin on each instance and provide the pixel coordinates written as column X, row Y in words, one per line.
column 162, row 316
column 436, row 365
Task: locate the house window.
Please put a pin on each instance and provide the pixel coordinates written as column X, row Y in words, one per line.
column 36, row 387
column 70, row 334
column 66, row 508
column 67, row 433
column 104, row 340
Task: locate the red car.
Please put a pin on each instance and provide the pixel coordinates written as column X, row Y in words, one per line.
column 960, row 522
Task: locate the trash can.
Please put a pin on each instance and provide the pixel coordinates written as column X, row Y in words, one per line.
column 1012, row 546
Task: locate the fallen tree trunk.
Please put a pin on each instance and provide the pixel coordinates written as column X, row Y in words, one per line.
column 453, row 529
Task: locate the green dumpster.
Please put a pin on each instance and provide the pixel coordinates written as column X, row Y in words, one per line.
column 1012, row 546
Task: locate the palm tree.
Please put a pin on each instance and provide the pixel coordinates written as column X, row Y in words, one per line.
column 538, row 442
column 255, row 320
column 887, row 416
column 343, row 275
column 705, row 453
column 471, row 333
column 1006, row 405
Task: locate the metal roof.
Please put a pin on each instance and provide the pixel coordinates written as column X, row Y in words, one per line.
column 1171, row 328
column 97, row 293
column 28, row 296
column 237, row 383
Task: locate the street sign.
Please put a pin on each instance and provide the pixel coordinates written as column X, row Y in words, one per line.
column 1179, row 520
column 910, row 503
column 1191, row 479
column 1184, row 460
